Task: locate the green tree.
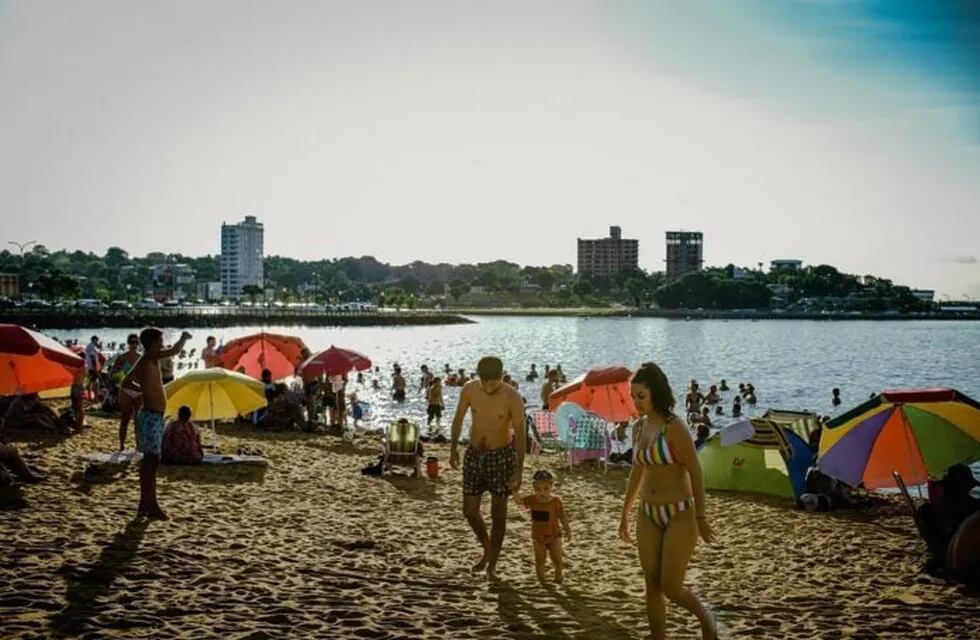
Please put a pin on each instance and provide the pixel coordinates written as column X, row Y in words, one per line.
column 582, row 288
column 252, row 291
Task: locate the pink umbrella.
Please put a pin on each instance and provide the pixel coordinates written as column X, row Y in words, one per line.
column 334, row 362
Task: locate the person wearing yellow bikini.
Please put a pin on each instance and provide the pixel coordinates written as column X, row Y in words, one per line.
column 666, row 477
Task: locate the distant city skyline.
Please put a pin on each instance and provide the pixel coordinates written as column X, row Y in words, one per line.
column 837, row 133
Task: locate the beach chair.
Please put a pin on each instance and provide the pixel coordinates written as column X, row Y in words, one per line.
column 546, row 430
column 588, row 439
column 402, row 445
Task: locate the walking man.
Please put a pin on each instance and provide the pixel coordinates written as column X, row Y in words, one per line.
column 494, row 460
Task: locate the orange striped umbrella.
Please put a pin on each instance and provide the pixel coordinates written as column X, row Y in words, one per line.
column 31, row 362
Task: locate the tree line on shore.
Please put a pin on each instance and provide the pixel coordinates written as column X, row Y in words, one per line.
column 68, row 275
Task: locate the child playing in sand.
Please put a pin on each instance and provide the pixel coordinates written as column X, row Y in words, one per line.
column 145, row 376
column 547, row 512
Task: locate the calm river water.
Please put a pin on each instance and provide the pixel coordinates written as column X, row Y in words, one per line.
column 793, row 364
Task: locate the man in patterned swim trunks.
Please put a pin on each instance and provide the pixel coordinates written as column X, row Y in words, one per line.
column 145, row 377
column 494, row 460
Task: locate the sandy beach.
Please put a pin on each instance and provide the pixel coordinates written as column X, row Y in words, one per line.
column 311, row 548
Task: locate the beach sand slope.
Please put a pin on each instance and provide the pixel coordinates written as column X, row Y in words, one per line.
column 311, row 548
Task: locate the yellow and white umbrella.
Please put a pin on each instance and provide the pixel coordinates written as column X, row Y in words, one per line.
column 215, row 394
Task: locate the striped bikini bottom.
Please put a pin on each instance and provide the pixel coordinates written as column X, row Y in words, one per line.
column 661, row 514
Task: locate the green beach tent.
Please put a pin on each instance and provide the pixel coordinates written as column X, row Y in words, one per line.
column 772, row 461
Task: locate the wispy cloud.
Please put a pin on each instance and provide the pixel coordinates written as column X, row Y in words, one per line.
column 960, row 259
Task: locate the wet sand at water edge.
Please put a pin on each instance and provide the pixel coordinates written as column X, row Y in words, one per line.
column 311, row 548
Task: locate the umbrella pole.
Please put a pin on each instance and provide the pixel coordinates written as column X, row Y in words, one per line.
column 214, row 431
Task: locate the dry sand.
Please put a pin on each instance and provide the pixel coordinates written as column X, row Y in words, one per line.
column 311, row 548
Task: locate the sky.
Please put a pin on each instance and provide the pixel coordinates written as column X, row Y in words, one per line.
column 842, row 132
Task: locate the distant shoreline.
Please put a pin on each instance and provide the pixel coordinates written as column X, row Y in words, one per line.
column 197, row 318
column 695, row 314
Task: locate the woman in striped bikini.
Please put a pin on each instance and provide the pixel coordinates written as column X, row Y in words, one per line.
column 666, row 477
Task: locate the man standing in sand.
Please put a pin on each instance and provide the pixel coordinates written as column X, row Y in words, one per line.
column 494, row 459
column 147, row 378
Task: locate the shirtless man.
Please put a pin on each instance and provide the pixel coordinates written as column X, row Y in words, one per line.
column 210, row 353
column 494, row 460
column 550, row 384
column 146, row 377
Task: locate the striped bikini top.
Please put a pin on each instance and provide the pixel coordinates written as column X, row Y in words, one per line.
column 657, row 453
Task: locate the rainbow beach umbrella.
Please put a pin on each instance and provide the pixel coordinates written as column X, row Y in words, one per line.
column 917, row 432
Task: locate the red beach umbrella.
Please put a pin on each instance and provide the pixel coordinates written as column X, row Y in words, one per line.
column 604, row 392
column 334, row 362
column 31, row 362
column 279, row 354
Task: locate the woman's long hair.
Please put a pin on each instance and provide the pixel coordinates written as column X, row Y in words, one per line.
column 653, row 378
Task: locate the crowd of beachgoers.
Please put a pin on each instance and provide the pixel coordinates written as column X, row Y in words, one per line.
column 664, row 508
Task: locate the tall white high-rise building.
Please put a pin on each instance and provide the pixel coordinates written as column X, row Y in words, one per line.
column 241, row 257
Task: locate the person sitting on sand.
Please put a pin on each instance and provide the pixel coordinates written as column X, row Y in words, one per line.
column 29, row 412
column 181, row 441
column 532, row 375
column 942, row 517
column 666, row 478
column 548, row 524
column 283, row 413
column 129, row 399
column 147, row 378
column 549, row 386
column 723, row 385
column 494, row 459
column 712, row 397
column 621, row 444
column 398, row 383
column 11, row 459
column 316, row 391
column 835, row 397
column 737, row 407
column 436, row 404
